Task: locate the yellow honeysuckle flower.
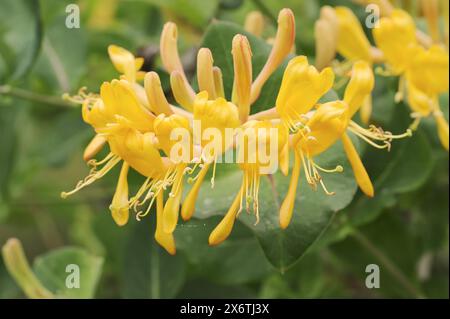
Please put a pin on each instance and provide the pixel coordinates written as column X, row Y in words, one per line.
column 322, row 130
column 218, row 114
column 302, row 86
column 138, row 150
column 163, row 142
column 117, row 98
column 352, row 43
column 358, row 90
column 125, row 63
column 164, row 127
column 396, row 37
column 255, row 141
column 425, row 80
column 423, row 72
column 324, row 127
column 119, row 118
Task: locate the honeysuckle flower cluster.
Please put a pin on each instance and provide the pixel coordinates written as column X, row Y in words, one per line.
column 132, row 116
column 420, row 62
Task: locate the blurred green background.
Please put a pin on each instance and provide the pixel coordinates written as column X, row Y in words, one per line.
column 404, row 229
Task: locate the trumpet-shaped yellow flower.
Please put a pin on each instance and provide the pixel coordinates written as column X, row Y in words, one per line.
column 426, row 79
column 322, row 130
column 396, row 37
column 356, row 94
column 423, row 72
column 219, row 115
column 117, row 99
column 164, row 127
column 257, row 139
column 326, row 126
column 301, row 88
column 144, row 131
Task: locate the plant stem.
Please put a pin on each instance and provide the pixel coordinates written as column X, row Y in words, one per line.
column 387, row 263
column 33, row 97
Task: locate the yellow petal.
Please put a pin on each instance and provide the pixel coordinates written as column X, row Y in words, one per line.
column 94, row 146
column 172, row 207
column 287, row 207
column 366, row 110
column 188, row 207
column 119, row 206
column 442, row 126
column 169, row 53
column 169, row 48
column 361, row 176
column 181, row 91
column 360, row 86
column 217, row 113
column 325, row 127
column 302, row 86
column 284, row 160
column 418, row 101
column 242, row 62
column 155, row 94
column 223, row 230
column 352, row 42
column 124, row 102
column 164, row 126
column 396, row 37
column 166, row 240
column 205, row 75
column 218, row 82
column 284, row 41
column 123, row 60
column 429, row 70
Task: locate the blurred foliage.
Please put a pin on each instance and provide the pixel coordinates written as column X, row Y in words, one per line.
column 324, row 252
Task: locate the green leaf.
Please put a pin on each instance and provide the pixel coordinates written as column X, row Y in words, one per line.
column 67, row 131
column 238, row 260
column 387, row 243
column 149, row 271
column 52, row 271
column 20, row 37
column 62, row 61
